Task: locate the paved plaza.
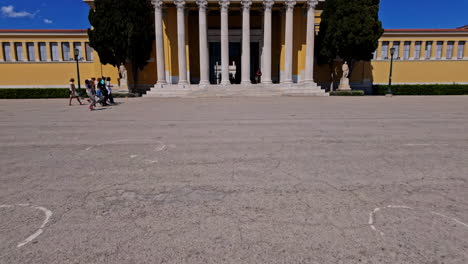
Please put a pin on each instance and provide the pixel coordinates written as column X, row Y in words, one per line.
column 235, row 180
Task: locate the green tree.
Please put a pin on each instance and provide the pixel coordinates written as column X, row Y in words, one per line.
column 122, row 30
column 350, row 30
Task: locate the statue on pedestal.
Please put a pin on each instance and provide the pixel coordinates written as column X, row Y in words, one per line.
column 123, row 81
column 344, row 82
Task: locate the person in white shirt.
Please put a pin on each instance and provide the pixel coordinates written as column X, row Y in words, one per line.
column 109, row 90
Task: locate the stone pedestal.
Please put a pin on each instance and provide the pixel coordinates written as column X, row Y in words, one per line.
column 123, row 87
column 344, row 85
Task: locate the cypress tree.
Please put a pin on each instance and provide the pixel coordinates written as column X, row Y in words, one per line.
column 350, row 30
column 122, row 30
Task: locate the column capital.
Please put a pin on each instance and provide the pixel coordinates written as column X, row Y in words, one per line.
column 312, row 3
column 202, row 4
column 224, row 4
column 268, row 4
column 246, row 4
column 157, row 4
column 180, row 4
column 290, row 4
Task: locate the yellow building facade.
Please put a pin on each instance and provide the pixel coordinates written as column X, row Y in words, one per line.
column 423, row 56
column 45, row 58
column 41, row 58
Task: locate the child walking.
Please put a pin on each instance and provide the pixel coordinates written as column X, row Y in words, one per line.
column 73, row 92
column 89, row 92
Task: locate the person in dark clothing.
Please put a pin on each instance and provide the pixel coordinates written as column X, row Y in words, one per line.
column 102, row 88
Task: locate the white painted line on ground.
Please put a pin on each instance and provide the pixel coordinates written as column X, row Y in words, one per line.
column 424, row 144
column 399, row 206
column 373, row 213
column 451, row 218
column 161, row 148
column 47, row 214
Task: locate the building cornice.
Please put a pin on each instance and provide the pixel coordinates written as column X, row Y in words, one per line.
column 91, row 2
column 55, row 32
column 447, row 30
column 425, row 32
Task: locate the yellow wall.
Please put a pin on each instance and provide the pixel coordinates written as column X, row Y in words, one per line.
column 48, row 73
column 422, row 70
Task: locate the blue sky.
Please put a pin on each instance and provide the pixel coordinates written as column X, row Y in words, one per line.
column 73, row 14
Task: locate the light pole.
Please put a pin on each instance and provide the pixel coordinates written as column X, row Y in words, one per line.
column 389, row 90
column 77, row 58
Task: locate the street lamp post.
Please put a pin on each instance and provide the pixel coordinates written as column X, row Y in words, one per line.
column 77, row 58
column 389, row 90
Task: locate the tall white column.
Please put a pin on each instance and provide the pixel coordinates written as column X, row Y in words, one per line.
column 266, row 71
column 37, row 52
column 181, row 54
column 288, row 58
column 224, row 42
column 60, row 51
column 245, row 59
column 3, row 56
column 83, row 51
column 309, row 67
column 203, row 37
column 12, row 51
column 48, row 52
column 160, row 63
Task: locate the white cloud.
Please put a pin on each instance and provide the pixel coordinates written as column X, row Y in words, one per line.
column 9, row 11
column 48, row 21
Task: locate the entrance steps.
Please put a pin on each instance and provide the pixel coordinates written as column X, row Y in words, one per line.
column 235, row 90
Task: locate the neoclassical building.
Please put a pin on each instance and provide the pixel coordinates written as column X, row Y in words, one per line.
column 200, row 44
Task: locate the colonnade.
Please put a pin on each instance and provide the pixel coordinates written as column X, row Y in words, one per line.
column 245, row 57
column 41, row 51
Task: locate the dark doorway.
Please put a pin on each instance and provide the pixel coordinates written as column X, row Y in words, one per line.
column 215, row 57
column 234, row 56
column 254, row 60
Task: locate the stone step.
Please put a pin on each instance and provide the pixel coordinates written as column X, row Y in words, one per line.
column 193, row 91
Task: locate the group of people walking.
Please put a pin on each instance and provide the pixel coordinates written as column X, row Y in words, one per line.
column 99, row 92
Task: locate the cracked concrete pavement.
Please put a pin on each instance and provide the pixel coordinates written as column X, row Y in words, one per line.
column 236, row 180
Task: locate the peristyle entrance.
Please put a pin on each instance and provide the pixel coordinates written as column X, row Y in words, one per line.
column 235, row 53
